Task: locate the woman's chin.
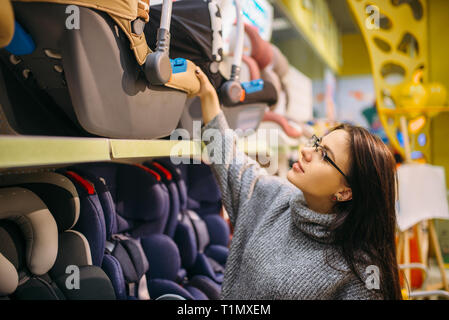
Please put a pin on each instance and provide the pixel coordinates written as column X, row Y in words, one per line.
column 292, row 177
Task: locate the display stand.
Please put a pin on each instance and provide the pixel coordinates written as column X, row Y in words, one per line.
column 403, row 251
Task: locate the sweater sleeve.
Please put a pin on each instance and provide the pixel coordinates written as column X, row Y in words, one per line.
column 236, row 173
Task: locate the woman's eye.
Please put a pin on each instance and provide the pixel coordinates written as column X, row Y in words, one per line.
column 323, row 153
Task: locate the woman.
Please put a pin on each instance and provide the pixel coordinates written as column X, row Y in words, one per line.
column 326, row 233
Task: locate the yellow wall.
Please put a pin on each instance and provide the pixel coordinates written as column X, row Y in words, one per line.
column 355, row 55
column 439, row 71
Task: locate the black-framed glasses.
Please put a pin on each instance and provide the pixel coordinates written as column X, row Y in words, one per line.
column 314, row 142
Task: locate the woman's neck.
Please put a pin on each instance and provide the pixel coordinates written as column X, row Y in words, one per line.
column 319, row 204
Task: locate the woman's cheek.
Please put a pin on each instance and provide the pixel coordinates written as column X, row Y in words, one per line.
column 305, row 182
column 320, row 182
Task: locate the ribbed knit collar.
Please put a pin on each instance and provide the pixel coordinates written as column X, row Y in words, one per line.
column 312, row 223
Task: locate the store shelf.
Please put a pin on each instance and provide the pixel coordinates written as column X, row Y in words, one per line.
column 121, row 149
column 34, row 151
column 18, row 151
column 406, row 111
column 253, row 148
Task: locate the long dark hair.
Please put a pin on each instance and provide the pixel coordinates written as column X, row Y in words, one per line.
column 366, row 225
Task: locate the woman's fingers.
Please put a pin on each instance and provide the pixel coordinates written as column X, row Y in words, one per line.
column 200, row 74
column 206, row 86
column 210, row 105
column 204, row 80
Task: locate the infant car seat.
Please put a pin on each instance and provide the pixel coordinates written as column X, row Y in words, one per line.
column 136, row 206
column 87, row 76
column 243, row 104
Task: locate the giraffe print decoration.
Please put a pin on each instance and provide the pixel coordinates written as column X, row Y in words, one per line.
column 395, row 33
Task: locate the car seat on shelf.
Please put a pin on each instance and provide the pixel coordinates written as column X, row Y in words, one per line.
column 205, row 198
column 191, row 182
column 174, row 208
column 275, row 68
column 204, row 232
column 39, row 252
column 202, row 189
column 242, row 120
column 255, row 96
column 140, row 181
column 56, row 188
column 289, row 132
column 260, row 50
column 276, row 73
column 126, row 267
column 95, row 78
column 258, row 94
column 269, row 59
column 203, row 241
column 196, row 28
column 136, row 205
column 196, row 34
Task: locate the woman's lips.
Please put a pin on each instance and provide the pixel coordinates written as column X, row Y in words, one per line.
column 298, row 167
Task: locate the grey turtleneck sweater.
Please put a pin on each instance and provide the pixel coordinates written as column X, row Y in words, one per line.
column 280, row 248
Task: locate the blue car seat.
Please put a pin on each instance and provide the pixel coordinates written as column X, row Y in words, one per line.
column 199, row 254
column 204, row 197
column 137, row 205
column 92, row 223
column 202, row 189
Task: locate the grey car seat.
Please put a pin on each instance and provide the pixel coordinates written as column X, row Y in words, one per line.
column 88, row 77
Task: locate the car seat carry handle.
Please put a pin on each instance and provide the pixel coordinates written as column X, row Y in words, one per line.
column 143, row 8
column 257, row 91
column 183, row 77
column 157, row 65
column 231, row 91
column 238, row 53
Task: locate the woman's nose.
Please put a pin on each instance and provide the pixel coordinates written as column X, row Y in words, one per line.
column 306, row 153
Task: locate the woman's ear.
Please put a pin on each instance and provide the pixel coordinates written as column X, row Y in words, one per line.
column 344, row 195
